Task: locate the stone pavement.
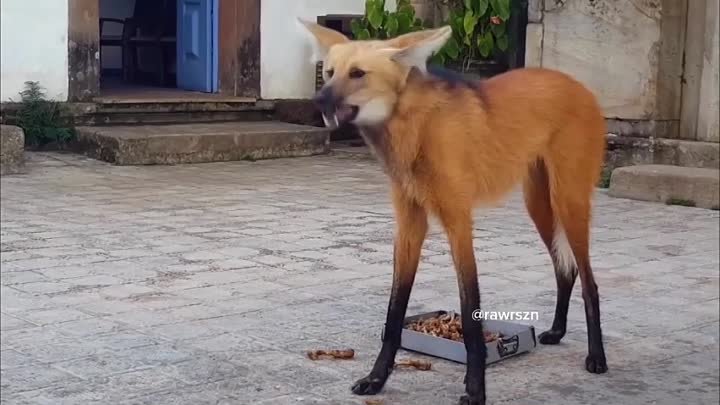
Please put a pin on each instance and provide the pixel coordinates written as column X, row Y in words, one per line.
column 205, row 284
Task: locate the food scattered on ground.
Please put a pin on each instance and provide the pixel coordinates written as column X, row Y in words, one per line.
column 416, row 364
column 344, row 354
column 373, row 402
column 447, row 326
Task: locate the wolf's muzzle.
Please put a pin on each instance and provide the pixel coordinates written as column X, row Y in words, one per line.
column 326, row 101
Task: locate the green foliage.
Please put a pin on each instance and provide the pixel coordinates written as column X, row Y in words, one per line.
column 680, row 202
column 378, row 23
column 605, row 176
column 480, row 30
column 40, row 118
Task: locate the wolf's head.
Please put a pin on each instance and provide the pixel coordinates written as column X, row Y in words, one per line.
column 363, row 79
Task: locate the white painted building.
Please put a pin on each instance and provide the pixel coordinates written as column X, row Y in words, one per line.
column 35, row 43
column 648, row 64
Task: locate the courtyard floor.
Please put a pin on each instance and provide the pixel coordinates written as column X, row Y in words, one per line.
column 205, row 284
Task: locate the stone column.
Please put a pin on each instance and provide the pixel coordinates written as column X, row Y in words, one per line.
column 707, row 126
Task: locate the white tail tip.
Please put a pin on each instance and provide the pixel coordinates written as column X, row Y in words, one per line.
column 563, row 253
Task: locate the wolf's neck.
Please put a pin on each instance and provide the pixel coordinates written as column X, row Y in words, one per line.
column 378, row 140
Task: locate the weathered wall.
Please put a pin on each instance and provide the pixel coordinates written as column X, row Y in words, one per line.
column 286, row 70
column 628, row 52
column 34, row 43
column 707, row 122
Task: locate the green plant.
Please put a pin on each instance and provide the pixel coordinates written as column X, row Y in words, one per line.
column 378, row 23
column 681, row 202
column 605, row 177
column 480, row 30
column 40, row 118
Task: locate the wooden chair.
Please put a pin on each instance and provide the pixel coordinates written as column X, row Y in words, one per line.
column 153, row 25
column 115, row 40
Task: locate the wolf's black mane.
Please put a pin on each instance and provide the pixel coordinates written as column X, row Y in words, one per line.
column 456, row 81
column 451, row 77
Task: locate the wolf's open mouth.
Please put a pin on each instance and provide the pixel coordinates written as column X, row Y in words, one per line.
column 346, row 113
column 343, row 114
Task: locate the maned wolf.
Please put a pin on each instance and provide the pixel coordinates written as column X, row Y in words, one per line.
column 448, row 145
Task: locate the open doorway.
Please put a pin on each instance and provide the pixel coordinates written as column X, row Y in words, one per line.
column 158, row 49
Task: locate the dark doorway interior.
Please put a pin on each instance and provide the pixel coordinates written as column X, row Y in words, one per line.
column 137, row 43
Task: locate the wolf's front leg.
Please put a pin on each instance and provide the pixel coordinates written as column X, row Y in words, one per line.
column 458, row 225
column 412, row 228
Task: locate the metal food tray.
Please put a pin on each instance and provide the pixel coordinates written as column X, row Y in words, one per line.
column 517, row 338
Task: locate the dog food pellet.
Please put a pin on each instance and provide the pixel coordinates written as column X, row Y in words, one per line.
column 447, row 327
column 333, row 354
column 416, row 364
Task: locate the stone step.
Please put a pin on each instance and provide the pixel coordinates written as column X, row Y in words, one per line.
column 690, row 186
column 134, row 112
column 129, row 112
column 200, row 143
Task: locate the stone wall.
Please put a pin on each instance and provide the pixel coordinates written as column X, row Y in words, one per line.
column 630, row 53
column 701, row 100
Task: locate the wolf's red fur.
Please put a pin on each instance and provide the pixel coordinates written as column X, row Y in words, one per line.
column 449, row 146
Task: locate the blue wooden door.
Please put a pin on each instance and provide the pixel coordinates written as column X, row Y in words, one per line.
column 196, row 45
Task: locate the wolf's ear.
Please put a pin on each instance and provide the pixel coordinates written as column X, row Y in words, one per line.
column 412, row 38
column 321, row 38
column 418, row 47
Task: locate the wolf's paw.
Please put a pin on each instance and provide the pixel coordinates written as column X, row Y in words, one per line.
column 596, row 364
column 468, row 400
column 369, row 385
column 551, row 337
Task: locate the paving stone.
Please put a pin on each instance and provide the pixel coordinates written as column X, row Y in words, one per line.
column 33, row 377
column 10, row 322
column 205, row 284
column 50, row 316
column 13, row 359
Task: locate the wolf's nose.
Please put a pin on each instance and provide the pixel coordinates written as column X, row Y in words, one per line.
column 324, row 99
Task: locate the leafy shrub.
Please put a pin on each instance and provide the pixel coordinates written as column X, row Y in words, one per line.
column 480, row 30
column 41, row 118
column 378, row 23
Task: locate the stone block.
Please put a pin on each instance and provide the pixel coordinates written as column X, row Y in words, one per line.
column 663, row 183
column 629, row 150
column 12, row 149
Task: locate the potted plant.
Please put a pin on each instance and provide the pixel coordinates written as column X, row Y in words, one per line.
column 379, row 23
column 480, row 40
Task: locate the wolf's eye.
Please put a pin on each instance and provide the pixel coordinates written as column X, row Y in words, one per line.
column 330, row 73
column 356, row 73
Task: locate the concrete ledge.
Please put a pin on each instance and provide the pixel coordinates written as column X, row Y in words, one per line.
column 661, row 183
column 627, row 151
column 200, row 143
column 12, row 150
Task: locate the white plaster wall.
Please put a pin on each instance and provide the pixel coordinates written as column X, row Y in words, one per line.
column 285, row 68
column 34, row 44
